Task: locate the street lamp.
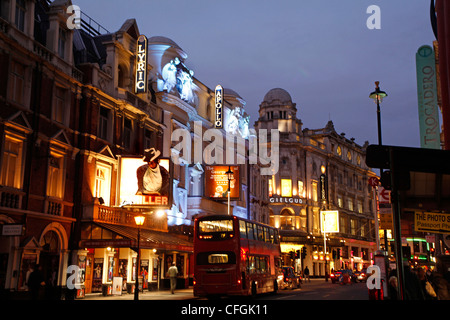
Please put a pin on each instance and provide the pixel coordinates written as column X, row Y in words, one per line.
column 139, row 222
column 229, row 174
column 377, row 97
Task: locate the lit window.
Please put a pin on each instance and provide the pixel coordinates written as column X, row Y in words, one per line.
column 102, row 182
column 339, row 151
column 300, row 189
column 286, row 187
column 11, row 165
column 314, row 196
column 55, row 175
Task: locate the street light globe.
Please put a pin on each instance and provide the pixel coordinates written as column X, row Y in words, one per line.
column 160, row 213
column 377, row 95
column 139, row 220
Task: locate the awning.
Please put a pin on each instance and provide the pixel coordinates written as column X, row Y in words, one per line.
column 148, row 239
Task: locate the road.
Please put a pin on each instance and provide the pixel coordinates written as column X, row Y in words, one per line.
column 318, row 289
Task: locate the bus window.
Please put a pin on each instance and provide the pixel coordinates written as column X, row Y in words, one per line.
column 250, row 231
column 266, row 234
column 205, row 258
column 271, row 236
column 242, row 229
column 208, row 226
column 251, row 265
column 260, row 233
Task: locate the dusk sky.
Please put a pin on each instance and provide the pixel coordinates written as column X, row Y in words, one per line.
column 321, row 52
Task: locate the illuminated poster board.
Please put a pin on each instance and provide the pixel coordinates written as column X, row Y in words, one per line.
column 145, row 183
column 329, row 221
column 216, row 182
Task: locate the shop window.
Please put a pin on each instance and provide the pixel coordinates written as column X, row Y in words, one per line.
column 11, row 165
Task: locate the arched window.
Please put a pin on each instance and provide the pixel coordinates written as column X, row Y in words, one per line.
column 287, row 220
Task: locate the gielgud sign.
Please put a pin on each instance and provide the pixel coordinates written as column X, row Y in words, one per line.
column 145, row 181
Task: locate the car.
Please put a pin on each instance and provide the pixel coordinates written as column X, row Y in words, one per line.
column 361, row 276
column 343, row 276
column 291, row 279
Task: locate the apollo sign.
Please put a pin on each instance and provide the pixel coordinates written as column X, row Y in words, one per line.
column 141, row 65
column 218, row 123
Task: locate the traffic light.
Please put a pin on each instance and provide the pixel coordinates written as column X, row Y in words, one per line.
column 292, row 254
column 338, row 253
column 297, row 254
column 303, row 252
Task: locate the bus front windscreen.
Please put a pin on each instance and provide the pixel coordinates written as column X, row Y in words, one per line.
column 213, row 226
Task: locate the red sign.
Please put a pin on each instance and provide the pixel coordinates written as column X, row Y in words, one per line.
column 373, row 181
column 216, row 182
column 384, row 196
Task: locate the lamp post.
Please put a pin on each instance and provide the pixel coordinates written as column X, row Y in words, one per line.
column 377, row 97
column 229, row 175
column 139, row 222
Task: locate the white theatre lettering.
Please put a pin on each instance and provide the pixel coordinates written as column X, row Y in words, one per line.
column 141, row 65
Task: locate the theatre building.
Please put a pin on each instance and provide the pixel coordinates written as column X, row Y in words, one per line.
column 319, row 170
column 87, row 118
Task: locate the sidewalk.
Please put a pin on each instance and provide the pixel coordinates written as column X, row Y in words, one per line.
column 180, row 294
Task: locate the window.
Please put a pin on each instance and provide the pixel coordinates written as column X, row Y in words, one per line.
column 314, row 191
column 300, row 189
column 147, row 139
column 242, row 229
column 340, row 201
column 343, row 224
column 127, row 129
column 286, row 187
column 102, row 182
column 17, row 82
column 353, row 226
column 11, row 165
column 58, row 110
column 339, row 151
column 55, row 175
column 62, row 42
column 250, row 233
column 360, row 206
column 20, row 14
column 103, row 123
column 350, row 204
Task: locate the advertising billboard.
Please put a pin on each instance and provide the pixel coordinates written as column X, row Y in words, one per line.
column 330, row 221
column 145, row 182
column 216, row 182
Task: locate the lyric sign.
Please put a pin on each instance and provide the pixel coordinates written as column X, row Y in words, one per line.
column 141, row 65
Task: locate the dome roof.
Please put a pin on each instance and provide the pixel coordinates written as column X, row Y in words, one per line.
column 163, row 40
column 278, row 94
column 231, row 92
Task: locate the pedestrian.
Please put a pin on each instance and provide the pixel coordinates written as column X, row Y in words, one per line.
column 173, row 272
column 412, row 289
column 36, row 282
column 426, row 286
column 306, row 273
column 439, row 281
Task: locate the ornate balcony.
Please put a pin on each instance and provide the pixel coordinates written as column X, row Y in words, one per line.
column 124, row 217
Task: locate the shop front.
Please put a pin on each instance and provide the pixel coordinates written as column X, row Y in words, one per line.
column 109, row 266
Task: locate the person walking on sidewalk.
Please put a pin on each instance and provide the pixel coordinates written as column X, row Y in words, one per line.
column 306, row 273
column 173, row 272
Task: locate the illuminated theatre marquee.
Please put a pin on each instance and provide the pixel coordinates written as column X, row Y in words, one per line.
column 219, row 107
column 141, row 65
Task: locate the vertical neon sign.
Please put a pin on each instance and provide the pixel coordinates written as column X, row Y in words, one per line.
column 141, row 65
column 218, row 123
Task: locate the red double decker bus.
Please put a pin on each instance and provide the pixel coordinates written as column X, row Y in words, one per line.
column 235, row 256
